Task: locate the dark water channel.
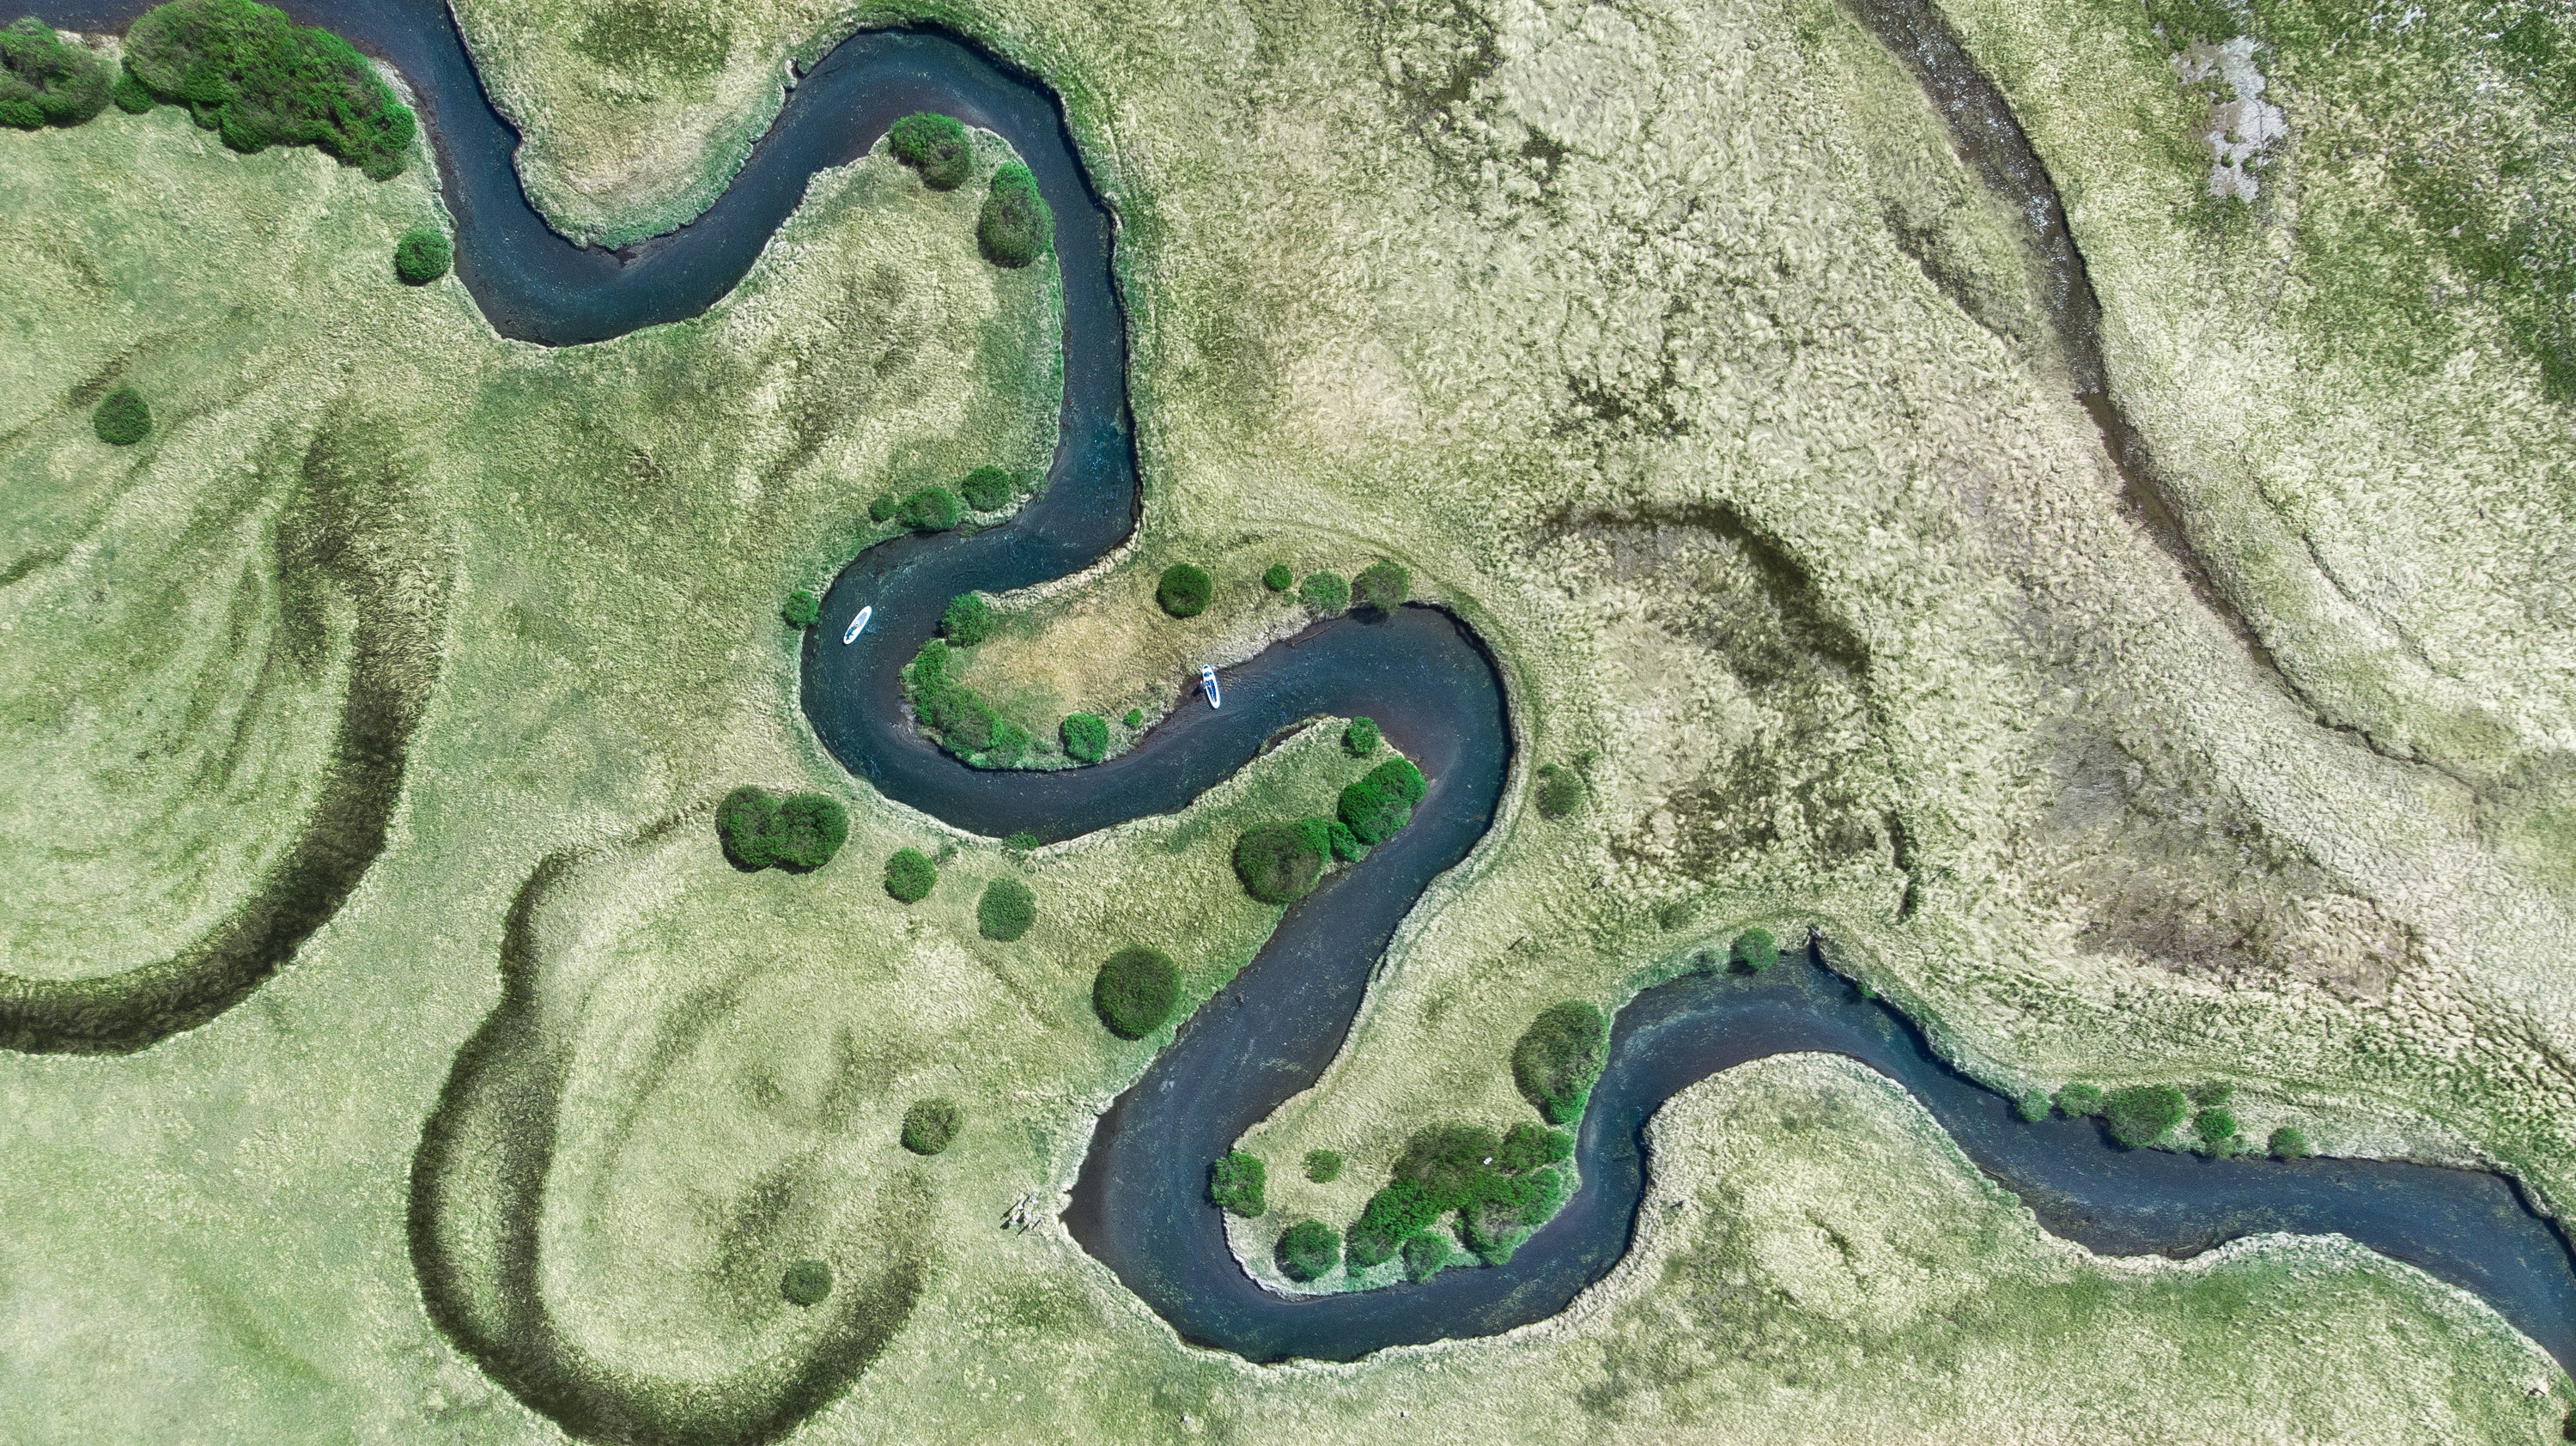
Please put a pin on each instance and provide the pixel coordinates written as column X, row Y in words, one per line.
column 1140, row 1204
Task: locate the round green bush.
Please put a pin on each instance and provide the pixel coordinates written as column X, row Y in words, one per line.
column 1327, row 593
column 1401, row 1209
column 131, row 96
column 807, row 1282
column 1237, row 1182
column 1361, row 738
column 257, row 78
column 1278, row 578
column 935, row 145
column 884, row 507
column 932, row 509
column 1085, row 736
column 1426, row 1253
column 1280, row 863
column 1323, row 1166
column 2290, row 1143
column 910, row 876
column 987, row 489
column 1016, row 226
column 1022, row 841
column 1184, row 590
column 422, row 256
column 1006, row 910
column 1754, row 950
column 968, row 620
column 1308, row 1250
column 2215, row 1125
column 2143, row 1114
column 1381, row 803
column 2032, row 1106
column 931, row 1125
column 1135, row 717
column 2079, row 1101
column 121, row 418
column 1345, row 844
column 44, row 81
column 1136, row 991
column 743, row 822
column 802, row 609
column 1559, row 1057
column 809, row 830
column 1382, row 586
column 1560, row 791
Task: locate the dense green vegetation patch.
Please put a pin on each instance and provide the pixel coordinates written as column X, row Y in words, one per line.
column 910, row 876
column 1376, row 806
column 1425, row 1254
column 1278, row 578
column 935, row 145
column 1360, row 737
column 967, row 621
column 258, row 79
column 1006, row 910
column 1307, row 1250
column 807, row 1282
column 1136, row 991
column 1327, row 593
column 802, row 609
column 1281, row 863
column 1184, row 590
column 932, row 509
column 1085, row 737
column 658, row 38
column 2079, row 1101
column 1323, row 1166
column 422, row 256
column 957, row 715
column 2143, row 1114
column 799, row 833
column 121, row 418
column 1560, row 791
column 1016, row 226
column 45, row 82
column 1238, row 1184
column 1499, row 1187
column 1559, row 1057
column 931, row 1125
column 988, row 489
column 1382, row 587
column 2290, row 1143
column 1754, row 950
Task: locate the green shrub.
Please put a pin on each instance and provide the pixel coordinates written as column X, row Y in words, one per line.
column 1559, row 1057
column 932, row 509
column 885, row 507
column 46, row 82
column 131, row 96
column 1023, row 841
column 1426, row 1253
column 1560, row 791
column 1754, row 950
column 799, row 833
column 1184, row 590
column 1016, row 227
column 987, row 489
column 931, row 1125
column 1361, row 738
column 257, row 79
column 1381, row 803
column 1323, row 1166
column 422, row 256
column 2080, row 1101
column 1006, row 910
column 803, row 609
column 2211, row 1093
column 2290, row 1143
column 1402, row 1209
column 967, row 621
column 1487, row 1179
column 1236, row 1183
column 1280, row 863
column 2032, row 1106
column 1307, row 1250
column 910, row 876
column 1526, row 1147
column 2143, row 1114
column 1085, row 736
column 1278, row 578
column 935, row 145
column 1496, row 1225
column 1382, row 586
column 1327, row 593
column 806, row 1282
column 1135, row 718
column 2215, row 1126
column 1344, row 844
column 121, row 418
column 1135, row 991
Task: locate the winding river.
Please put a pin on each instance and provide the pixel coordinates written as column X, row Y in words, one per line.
column 1140, row 1203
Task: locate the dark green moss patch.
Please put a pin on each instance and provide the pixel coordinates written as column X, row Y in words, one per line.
column 910, row 876
column 1560, row 791
column 2290, row 1143
column 1136, row 991
column 257, row 79
column 422, row 256
column 931, row 1125
column 935, row 145
column 2216, row 1127
column 1184, row 590
column 1237, row 1184
column 45, row 82
column 1016, row 226
column 1559, row 1057
column 1278, row 578
column 799, row 833
column 1006, row 910
column 121, row 418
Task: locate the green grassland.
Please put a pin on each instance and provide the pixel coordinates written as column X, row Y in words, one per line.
column 1670, row 346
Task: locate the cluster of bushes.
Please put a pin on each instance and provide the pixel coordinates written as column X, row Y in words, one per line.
column 121, row 418
column 422, row 256
column 910, row 876
column 1006, row 910
column 44, row 82
column 1135, row 991
column 257, row 79
column 935, row 145
column 1016, row 226
column 798, row 833
column 1237, row 1182
column 1085, row 737
column 1382, row 802
column 931, row 1125
column 2140, row 1115
column 1499, row 1188
column 957, row 715
column 1559, row 1058
column 1185, row 589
